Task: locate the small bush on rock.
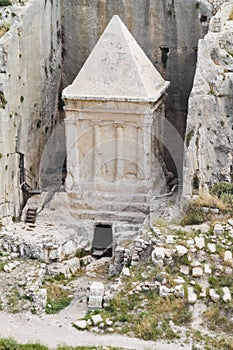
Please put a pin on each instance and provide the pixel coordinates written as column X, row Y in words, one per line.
column 193, row 215
column 5, row 3
column 8, row 344
column 224, row 191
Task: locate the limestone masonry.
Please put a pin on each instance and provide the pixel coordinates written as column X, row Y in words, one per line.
column 112, row 118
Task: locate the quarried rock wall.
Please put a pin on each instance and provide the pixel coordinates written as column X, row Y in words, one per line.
column 30, row 72
column 209, row 141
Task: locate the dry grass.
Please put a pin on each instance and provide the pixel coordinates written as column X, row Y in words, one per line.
column 205, row 199
column 216, row 320
column 230, row 18
column 55, row 291
column 4, row 28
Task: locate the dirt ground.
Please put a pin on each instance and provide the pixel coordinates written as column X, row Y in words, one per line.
column 53, row 330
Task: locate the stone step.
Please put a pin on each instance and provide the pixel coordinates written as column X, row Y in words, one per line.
column 132, row 217
column 31, row 215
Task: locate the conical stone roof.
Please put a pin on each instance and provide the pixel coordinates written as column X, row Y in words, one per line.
column 117, row 69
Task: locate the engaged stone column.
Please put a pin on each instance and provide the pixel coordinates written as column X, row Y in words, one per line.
column 73, row 174
column 147, row 147
column 140, row 154
column 95, row 159
column 119, row 153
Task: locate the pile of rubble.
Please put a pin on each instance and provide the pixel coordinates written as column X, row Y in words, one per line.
column 192, row 257
column 21, row 284
column 190, row 263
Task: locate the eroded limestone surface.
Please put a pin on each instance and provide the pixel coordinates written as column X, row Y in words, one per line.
column 209, row 147
column 30, row 70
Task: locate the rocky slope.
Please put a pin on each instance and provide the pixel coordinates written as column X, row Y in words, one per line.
column 172, row 282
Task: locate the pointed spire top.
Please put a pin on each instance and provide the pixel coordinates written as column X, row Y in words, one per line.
column 117, row 69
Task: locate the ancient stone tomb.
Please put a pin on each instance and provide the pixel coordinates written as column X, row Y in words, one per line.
column 113, row 110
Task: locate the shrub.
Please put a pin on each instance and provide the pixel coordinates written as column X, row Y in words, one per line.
column 55, row 305
column 193, row 215
column 230, row 18
column 5, row 3
column 4, row 28
column 3, row 101
column 8, row 344
column 224, row 191
column 188, row 137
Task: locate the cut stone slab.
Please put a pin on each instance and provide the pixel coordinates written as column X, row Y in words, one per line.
column 212, row 247
column 226, row 295
column 80, row 324
column 97, row 288
column 126, row 272
column 124, row 71
column 181, row 250
column 214, row 296
column 179, row 280
column 197, row 272
column 228, row 257
column 165, row 291
column 207, row 269
column 95, row 302
column 96, row 295
column 218, row 229
column 200, row 242
column 158, row 253
column 96, row 319
column 184, row 269
column 192, row 297
column 169, row 239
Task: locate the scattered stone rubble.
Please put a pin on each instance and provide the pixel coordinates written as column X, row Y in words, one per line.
column 21, row 284
column 192, row 256
column 184, row 261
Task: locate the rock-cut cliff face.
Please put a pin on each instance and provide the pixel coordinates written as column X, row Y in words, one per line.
column 45, row 47
column 30, row 72
column 209, row 135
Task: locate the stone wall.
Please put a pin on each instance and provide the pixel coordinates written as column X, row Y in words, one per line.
column 30, row 71
column 209, row 148
column 168, row 32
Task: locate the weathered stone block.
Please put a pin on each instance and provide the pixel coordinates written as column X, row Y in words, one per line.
column 181, row 250
column 97, row 289
column 96, row 319
column 192, row 297
column 197, row 272
column 213, row 295
column 200, row 242
column 81, row 324
column 95, row 302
